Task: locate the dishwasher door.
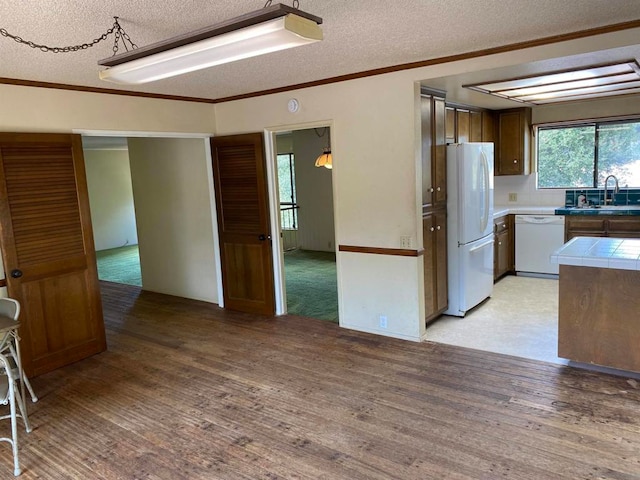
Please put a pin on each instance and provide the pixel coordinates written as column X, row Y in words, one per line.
column 537, row 237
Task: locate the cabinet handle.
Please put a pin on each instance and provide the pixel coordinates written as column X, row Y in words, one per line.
column 432, row 229
column 438, row 189
column 499, row 243
column 515, row 161
column 438, row 227
column 431, row 190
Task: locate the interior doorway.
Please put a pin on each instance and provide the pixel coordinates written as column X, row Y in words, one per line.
column 112, row 209
column 306, row 223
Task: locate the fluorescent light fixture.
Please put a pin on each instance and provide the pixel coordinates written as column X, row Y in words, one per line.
column 268, row 30
column 582, row 84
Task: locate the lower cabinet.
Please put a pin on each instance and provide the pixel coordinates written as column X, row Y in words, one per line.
column 504, row 251
column 434, row 229
column 621, row 226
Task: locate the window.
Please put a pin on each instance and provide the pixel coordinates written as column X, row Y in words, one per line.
column 287, row 188
column 582, row 156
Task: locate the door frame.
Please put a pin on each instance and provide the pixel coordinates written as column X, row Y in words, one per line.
column 212, row 194
column 274, row 209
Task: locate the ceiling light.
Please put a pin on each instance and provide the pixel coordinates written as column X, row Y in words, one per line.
column 270, row 29
column 554, row 87
column 325, row 159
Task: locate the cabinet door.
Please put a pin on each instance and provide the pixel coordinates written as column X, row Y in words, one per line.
column 501, row 253
column 463, row 126
column 450, row 130
column 510, row 150
column 513, row 156
column 475, row 132
column 439, row 153
column 624, row 226
column 429, row 256
column 488, row 127
column 442, row 290
column 587, row 226
column 427, row 142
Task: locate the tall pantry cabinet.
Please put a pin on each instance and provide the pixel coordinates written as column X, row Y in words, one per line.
column 434, row 202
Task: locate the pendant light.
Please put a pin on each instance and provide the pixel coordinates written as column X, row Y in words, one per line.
column 325, row 159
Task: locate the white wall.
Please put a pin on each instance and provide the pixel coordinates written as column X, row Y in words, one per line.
column 314, row 192
column 31, row 109
column 111, row 198
column 173, row 209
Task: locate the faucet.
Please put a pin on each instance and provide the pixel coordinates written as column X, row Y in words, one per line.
column 616, row 189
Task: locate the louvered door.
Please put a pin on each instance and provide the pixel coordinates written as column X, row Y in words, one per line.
column 48, row 249
column 243, row 223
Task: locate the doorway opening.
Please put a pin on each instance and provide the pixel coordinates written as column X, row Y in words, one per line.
column 112, row 209
column 306, row 224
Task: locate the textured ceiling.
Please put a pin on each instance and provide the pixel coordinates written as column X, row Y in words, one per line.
column 359, row 35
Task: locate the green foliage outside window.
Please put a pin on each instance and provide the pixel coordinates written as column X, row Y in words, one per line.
column 581, row 156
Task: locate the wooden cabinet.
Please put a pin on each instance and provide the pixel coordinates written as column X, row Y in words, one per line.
column 434, row 230
column 467, row 124
column 504, row 251
column 475, row 127
column 436, row 119
column 463, row 126
column 513, row 156
column 434, row 152
column 620, row 226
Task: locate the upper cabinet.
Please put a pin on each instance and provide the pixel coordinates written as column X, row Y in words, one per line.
column 513, row 153
column 468, row 124
column 434, row 145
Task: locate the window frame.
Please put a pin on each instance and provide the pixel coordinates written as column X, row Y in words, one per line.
column 579, row 123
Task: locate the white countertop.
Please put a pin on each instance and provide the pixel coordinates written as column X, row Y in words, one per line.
column 500, row 210
column 600, row 252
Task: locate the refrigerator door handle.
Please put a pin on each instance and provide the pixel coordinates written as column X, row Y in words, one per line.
column 485, row 171
column 481, row 246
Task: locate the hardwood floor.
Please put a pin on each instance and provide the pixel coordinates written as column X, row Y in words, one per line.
column 189, row 391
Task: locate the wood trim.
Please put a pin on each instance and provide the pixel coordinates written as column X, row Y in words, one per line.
column 3, row 282
column 398, row 252
column 616, row 27
column 107, row 91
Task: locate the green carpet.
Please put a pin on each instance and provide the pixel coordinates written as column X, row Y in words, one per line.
column 311, row 279
column 120, row 265
column 312, row 285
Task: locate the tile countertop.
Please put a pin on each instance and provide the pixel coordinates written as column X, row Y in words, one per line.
column 600, row 252
column 500, row 210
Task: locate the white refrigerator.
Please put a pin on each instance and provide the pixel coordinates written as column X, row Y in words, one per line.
column 469, row 225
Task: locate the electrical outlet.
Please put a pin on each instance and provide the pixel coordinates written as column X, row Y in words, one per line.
column 405, row 241
column 383, row 321
column 513, row 197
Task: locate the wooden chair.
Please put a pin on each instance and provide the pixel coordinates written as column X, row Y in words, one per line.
column 8, row 395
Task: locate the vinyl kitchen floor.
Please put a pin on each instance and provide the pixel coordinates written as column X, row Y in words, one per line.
column 520, row 319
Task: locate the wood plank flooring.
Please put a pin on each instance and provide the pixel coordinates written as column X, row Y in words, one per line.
column 189, row 391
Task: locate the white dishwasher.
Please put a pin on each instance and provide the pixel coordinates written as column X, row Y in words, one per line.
column 537, row 237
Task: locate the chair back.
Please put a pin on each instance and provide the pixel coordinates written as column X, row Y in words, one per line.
column 10, row 307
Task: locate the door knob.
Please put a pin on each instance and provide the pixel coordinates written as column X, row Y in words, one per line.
column 16, row 273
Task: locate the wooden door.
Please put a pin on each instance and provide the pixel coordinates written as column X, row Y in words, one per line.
column 429, row 258
column 48, row 249
column 243, row 223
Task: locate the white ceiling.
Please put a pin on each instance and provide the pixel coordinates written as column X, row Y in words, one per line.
column 359, row 35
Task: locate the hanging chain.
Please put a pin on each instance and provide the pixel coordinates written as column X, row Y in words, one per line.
column 295, row 4
column 116, row 29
